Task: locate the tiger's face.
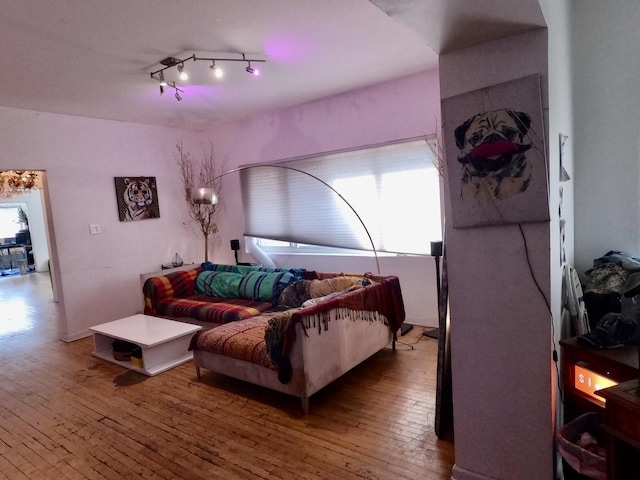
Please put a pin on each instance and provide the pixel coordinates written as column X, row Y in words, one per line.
column 137, row 193
column 138, row 197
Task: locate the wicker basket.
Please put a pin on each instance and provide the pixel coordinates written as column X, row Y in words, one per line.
column 583, row 461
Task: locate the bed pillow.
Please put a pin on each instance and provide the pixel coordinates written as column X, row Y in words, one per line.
column 264, row 286
column 219, row 284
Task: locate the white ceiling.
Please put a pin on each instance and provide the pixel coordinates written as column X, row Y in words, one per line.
column 94, row 57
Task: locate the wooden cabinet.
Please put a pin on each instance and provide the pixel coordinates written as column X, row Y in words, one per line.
column 586, row 369
column 587, row 376
column 622, row 423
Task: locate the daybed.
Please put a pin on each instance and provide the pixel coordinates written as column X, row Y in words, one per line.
column 316, row 327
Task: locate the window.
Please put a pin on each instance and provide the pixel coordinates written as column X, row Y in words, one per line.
column 394, row 189
column 10, row 220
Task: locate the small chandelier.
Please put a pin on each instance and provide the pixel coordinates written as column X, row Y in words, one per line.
column 18, row 182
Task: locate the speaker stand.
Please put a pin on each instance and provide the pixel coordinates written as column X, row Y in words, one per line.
column 436, row 251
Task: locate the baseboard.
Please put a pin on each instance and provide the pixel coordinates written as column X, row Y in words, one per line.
column 422, row 322
column 459, row 473
column 74, row 337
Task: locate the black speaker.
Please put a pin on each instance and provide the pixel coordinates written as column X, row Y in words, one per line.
column 436, row 249
column 235, row 245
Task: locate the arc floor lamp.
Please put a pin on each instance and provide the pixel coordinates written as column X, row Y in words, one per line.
column 206, row 195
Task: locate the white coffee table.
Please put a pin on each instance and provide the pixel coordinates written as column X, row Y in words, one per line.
column 164, row 343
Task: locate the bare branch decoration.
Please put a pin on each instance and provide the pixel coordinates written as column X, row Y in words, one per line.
column 193, row 175
column 438, row 152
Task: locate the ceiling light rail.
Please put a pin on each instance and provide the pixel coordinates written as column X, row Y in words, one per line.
column 172, row 62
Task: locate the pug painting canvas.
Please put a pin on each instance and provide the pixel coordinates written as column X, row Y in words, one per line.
column 496, row 166
column 492, row 152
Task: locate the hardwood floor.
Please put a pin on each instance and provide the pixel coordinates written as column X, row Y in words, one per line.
column 65, row 414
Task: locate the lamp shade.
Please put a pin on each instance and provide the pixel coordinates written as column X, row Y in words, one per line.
column 204, row 196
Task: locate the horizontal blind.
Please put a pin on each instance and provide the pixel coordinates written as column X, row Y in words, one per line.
column 394, row 188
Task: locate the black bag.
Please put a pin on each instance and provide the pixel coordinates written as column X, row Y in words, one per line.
column 122, row 350
column 614, row 330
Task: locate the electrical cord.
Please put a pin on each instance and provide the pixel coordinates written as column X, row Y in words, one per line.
column 546, row 301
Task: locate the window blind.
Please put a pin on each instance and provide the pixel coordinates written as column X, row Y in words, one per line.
column 394, row 188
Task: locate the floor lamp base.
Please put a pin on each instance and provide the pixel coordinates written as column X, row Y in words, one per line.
column 405, row 328
column 433, row 333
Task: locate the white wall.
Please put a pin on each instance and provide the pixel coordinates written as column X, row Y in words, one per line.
column 500, row 324
column 98, row 275
column 394, row 110
column 607, row 151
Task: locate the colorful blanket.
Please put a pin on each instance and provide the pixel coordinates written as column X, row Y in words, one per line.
column 176, row 284
column 379, row 301
column 174, row 295
column 211, row 309
column 242, row 340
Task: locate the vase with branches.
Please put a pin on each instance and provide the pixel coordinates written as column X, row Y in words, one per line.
column 193, row 174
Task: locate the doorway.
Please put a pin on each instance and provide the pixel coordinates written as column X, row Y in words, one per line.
column 25, row 221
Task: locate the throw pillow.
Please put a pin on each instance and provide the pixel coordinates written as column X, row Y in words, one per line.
column 264, row 286
column 295, row 294
column 219, row 284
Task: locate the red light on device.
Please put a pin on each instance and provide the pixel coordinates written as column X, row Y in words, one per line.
column 588, row 381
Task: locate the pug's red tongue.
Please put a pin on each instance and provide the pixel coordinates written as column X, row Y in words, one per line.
column 492, row 151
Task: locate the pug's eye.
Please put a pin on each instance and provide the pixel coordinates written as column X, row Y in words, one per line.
column 475, row 138
column 510, row 133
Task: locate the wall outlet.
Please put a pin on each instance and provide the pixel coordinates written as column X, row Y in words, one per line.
column 94, row 229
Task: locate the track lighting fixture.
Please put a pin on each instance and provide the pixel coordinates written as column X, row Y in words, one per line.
column 216, row 71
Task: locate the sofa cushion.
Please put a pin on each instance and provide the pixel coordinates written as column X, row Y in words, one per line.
column 264, row 286
column 219, row 284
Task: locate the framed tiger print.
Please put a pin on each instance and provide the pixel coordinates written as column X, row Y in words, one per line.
column 137, row 198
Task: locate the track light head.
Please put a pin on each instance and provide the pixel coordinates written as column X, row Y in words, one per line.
column 163, row 82
column 253, row 71
column 161, row 89
column 183, row 74
column 215, row 70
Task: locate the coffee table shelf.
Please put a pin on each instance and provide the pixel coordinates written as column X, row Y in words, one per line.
column 164, row 343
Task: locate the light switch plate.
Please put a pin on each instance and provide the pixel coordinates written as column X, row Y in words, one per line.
column 94, row 229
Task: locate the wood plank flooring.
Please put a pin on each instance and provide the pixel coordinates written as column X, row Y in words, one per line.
column 65, row 414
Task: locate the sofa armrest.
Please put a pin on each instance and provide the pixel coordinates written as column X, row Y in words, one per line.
column 175, row 284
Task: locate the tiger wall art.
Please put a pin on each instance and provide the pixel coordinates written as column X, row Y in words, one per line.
column 137, row 198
